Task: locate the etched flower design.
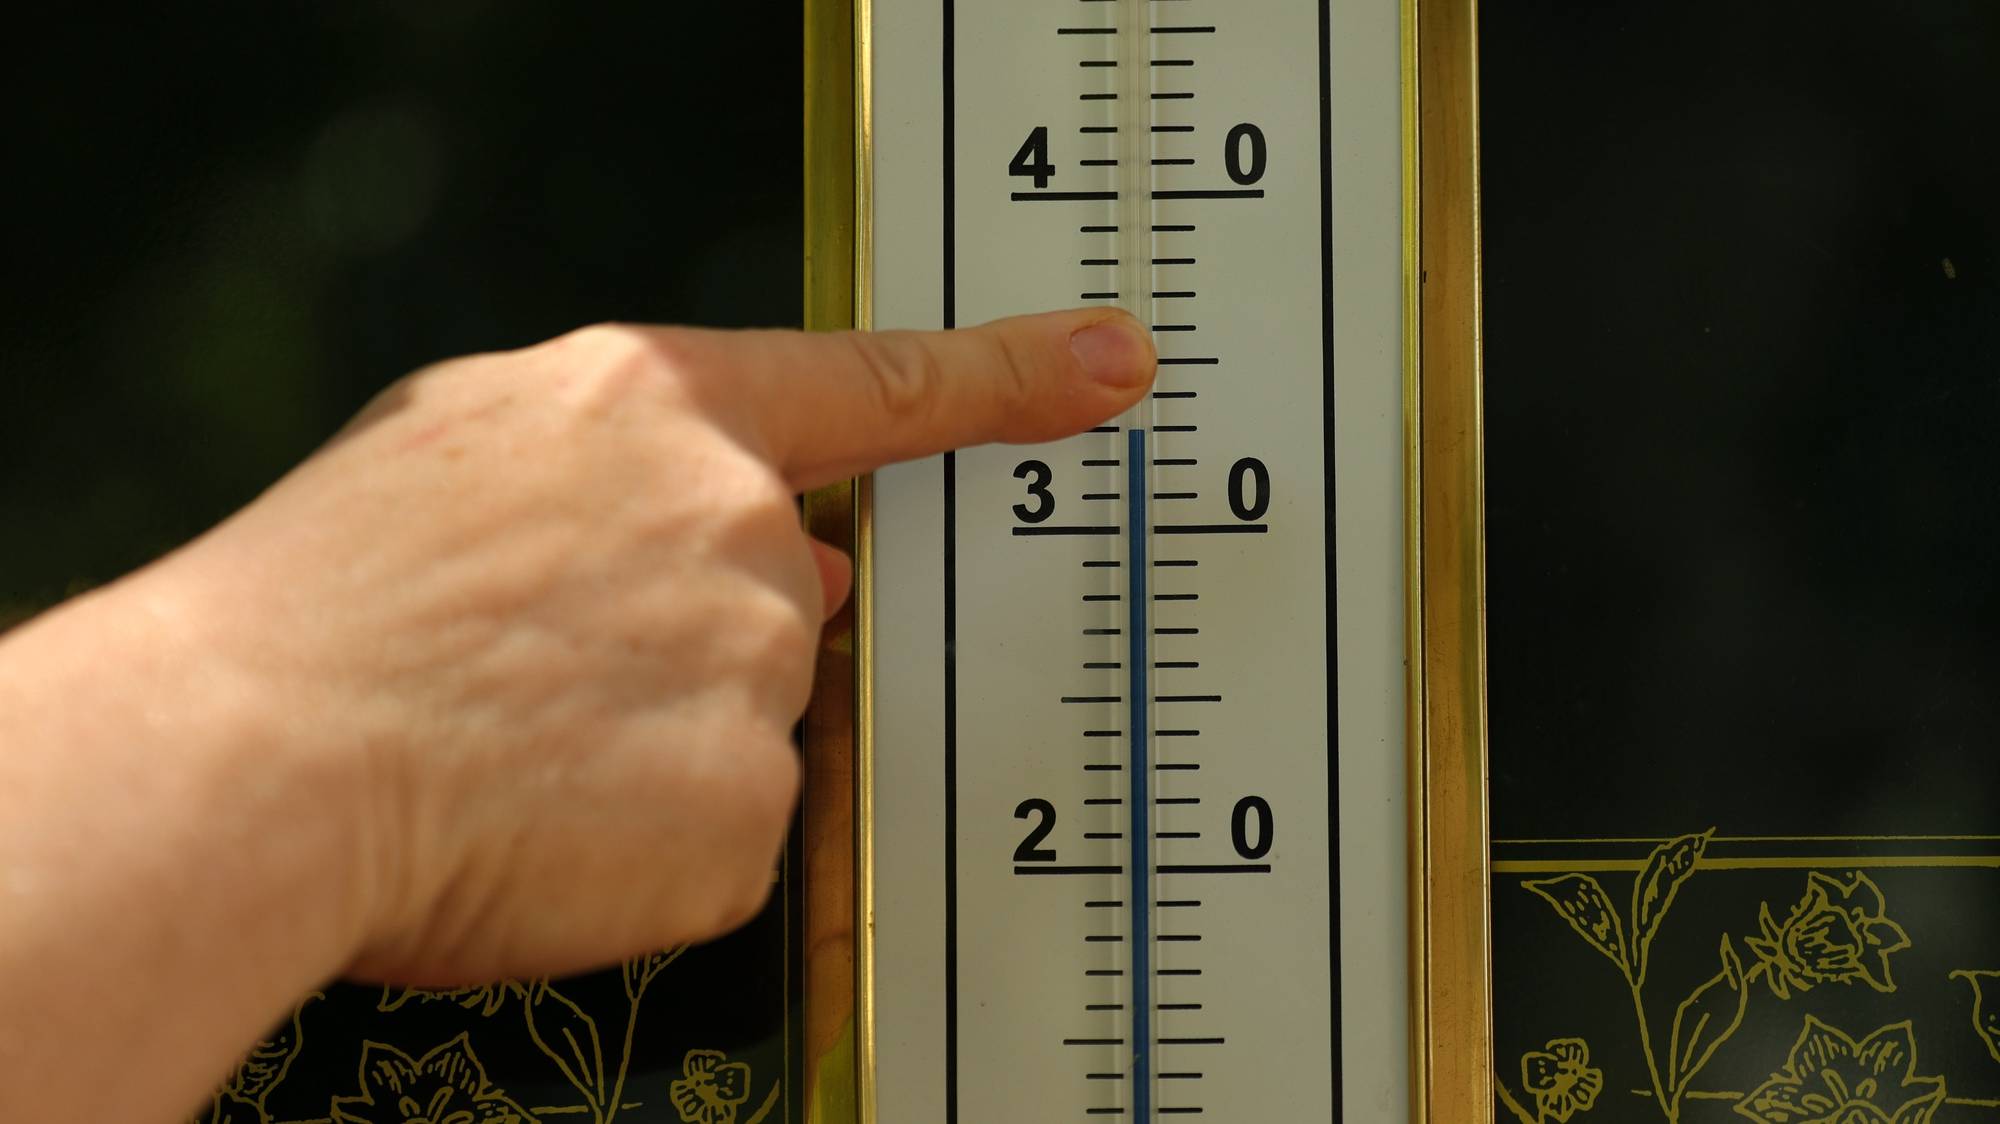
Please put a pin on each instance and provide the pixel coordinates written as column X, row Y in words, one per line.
column 241, row 1099
column 445, row 1086
column 1837, row 933
column 229, row 1108
column 1829, row 1078
column 640, row 970
column 486, row 999
column 1560, row 1079
column 711, row 1088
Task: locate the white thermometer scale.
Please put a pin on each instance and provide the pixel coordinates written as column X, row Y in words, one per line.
column 1137, row 834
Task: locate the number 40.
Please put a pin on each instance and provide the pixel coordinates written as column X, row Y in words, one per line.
column 1245, row 156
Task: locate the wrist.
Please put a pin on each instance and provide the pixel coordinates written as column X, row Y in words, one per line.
column 170, row 860
column 288, row 800
column 160, row 746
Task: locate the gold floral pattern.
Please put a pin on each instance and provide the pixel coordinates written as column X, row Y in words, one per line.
column 1985, row 1023
column 569, row 1036
column 1829, row 1078
column 1702, row 1021
column 1838, row 932
column 589, row 1040
column 241, row 1099
column 639, row 971
column 445, row 1086
column 486, row 999
column 229, row 1108
column 1561, row 1080
column 711, row 1089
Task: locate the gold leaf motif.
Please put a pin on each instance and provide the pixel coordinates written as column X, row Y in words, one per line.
column 1666, row 868
column 241, row 1099
column 485, row 1000
column 1582, row 902
column 268, row 1061
column 639, row 971
column 1705, row 1020
column 561, row 1030
column 1986, row 1023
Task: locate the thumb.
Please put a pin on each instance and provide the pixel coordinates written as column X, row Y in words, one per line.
column 833, row 405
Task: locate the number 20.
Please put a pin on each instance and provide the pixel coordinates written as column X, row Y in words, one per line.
column 1044, row 814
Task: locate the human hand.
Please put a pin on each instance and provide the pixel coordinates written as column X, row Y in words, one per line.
column 538, row 624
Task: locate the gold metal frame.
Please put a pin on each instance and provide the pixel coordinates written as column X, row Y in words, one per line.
column 1450, row 945
column 839, row 891
column 1450, row 954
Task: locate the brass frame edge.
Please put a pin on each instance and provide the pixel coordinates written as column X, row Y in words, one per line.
column 830, row 129
column 1413, row 540
column 838, row 1063
column 1451, row 946
column 864, row 580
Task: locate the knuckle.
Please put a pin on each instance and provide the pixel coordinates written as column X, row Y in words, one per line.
column 610, row 342
column 737, row 486
column 667, row 354
column 903, row 374
column 736, row 506
column 777, row 639
column 758, row 503
column 613, row 363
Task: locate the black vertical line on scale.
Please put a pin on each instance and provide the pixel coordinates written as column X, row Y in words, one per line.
column 1141, row 803
column 1332, row 548
column 950, row 288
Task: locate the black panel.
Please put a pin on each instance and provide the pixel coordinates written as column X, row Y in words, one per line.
column 1743, row 380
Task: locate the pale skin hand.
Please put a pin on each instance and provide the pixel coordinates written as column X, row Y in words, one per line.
column 499, row 683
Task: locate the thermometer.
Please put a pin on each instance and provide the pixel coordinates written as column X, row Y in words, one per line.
column 1133, row 812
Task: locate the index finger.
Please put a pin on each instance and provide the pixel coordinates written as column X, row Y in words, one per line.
column 833, row 405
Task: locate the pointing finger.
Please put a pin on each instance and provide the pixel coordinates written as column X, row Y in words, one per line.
column 832, row 405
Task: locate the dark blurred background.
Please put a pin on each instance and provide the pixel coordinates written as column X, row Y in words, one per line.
column 230, row 223
column 1742, row 325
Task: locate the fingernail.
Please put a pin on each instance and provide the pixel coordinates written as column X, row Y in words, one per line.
column 1114, row 353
